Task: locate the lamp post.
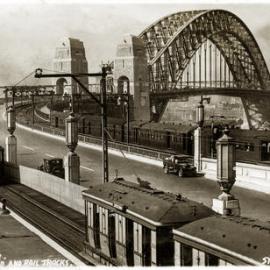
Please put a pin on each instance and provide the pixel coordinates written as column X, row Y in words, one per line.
column 198, row 135
column 33, row 108
column 124, row 101
column 72, row 160
column 214, row 132
column 226, row 204
column 11, row 141
column 52, row 94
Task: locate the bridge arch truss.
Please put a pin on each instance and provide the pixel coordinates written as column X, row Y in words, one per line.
column 203, row 49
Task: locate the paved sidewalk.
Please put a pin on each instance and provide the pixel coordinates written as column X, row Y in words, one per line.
column 21, row 247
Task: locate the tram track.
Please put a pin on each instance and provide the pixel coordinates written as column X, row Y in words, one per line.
column 60, row 229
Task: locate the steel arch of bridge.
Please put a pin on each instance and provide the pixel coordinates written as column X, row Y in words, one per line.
column 172, row 41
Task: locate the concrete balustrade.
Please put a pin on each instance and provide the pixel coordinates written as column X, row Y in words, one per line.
column 54, row 187
column 254, row 177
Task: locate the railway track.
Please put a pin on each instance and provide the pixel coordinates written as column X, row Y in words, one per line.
column 63, row 231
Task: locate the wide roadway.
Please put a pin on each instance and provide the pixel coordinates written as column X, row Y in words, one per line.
column 33, row 148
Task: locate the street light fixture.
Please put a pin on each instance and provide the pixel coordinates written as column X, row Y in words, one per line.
column 226, row 204
column 11, row 120
column 198, row 135
column 71, row 132
column 214, row 132
column 200, row 111
column 226, row 163
column 123, row 99
column 11, row 141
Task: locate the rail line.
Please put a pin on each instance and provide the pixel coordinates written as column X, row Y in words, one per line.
column 63, row 231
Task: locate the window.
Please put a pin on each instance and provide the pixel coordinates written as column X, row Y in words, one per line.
column 211, row 260
column 120, row 229
column 154, row 246
column 198, row 257
column 186, row 255
column 137, row 237
column 96, row 225
column 177, row 261
column 146, row 246
column 90, row 215
column 103, row 220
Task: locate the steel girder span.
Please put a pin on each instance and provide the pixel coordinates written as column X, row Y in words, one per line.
column 205, row 49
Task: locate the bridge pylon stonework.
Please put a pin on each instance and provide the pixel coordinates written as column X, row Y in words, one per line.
column 131, row 75
column 69, row 58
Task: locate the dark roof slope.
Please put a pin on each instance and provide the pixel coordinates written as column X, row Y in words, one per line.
column 247, row 237
column 147, row 203
column 179, row 128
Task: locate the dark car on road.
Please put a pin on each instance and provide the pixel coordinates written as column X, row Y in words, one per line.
column 53, row 166
column 179, row 164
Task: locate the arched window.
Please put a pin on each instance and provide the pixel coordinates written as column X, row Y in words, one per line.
column 123, row 85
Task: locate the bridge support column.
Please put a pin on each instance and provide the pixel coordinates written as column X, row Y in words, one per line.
column 198, row 149
column 257, row 112
column 72, row 168
column 11, row 141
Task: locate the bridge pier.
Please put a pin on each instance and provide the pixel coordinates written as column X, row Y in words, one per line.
column 257, row 112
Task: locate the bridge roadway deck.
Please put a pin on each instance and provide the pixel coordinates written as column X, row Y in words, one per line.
column 59, row 222
column 190, row 91
column 32, row 148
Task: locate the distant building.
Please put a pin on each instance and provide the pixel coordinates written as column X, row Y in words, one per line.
column 185, row 111
column 69, row 58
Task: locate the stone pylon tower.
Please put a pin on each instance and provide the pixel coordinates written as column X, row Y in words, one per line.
column 69, row 58
column 130, row 66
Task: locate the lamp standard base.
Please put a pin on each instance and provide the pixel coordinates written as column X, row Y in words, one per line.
column 11, row 149
column 197, row 149
column 226, row 206
column 72, row 168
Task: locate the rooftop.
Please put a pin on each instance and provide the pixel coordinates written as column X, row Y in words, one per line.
column 245, row 236
column 148, row 203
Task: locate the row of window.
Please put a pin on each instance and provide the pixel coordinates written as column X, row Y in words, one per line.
column 188, row 256
column 160, row 136
column 248, row 147
column 64, row 53
column 137, row 239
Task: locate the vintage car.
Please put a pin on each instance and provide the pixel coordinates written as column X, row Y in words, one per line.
column 179, row 164
column 53, row 166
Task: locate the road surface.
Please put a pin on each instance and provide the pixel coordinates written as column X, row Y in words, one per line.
column 32, row 148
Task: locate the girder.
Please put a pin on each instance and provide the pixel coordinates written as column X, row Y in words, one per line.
column 173, row 41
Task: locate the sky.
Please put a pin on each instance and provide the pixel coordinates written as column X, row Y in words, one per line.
column 30, row 30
